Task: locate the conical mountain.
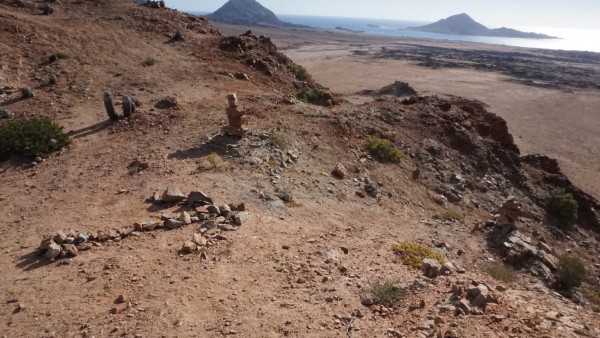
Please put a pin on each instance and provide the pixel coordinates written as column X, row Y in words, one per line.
column 463, row 24
column 246, row 12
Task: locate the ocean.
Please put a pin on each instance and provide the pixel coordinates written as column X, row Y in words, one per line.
column 569, row 39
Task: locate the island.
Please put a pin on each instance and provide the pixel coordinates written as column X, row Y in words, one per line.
column 463, row 24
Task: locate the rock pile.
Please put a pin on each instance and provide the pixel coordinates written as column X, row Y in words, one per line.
column 214, row 219
column 432, row 268
column 519, row 249
column 469, row 298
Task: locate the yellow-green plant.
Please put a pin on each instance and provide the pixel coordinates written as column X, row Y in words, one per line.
column 383, row 149
column 414, row 253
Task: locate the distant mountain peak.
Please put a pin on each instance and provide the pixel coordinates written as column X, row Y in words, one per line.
column 246, row 12
column 463, row 24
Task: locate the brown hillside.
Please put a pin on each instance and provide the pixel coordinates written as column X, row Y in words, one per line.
column 304, row 262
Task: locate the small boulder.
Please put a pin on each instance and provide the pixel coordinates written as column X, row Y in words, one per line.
column 225, row 210
column 185, row 218
column 431, row 268
column 173, row 224
column 447, row 269
column 198, row 197
column 53, row 251
column 199, row 240
column 241, row 217
column 188, row 247
column 172, row 195
column 70, row 249
column 339, row 171
column 213, row 209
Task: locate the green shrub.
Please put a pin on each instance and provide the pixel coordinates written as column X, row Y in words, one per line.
column 383, row 149
column 30, row 137
column 571, row 271
column 300, row 72
column 500, row 272
column 387, row 293
column 414, row 253
column 311, row 95
column 564, row 207
column 450, row 215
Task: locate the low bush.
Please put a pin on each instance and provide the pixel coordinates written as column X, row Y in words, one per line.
column 214, row 162
column 386, row 293
column 500, row 272
column 300, row 72
column 149, row 62
column 383, row 149
column 31, row 137
column 450, row 215
column 280, row 141
column 564, row 207
column 414, row 253
column 571, row 271
column 311, row 95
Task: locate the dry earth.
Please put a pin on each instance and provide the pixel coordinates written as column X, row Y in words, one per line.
column 563, row 123
column 288, row 271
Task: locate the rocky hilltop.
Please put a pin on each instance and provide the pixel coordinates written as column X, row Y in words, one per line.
column 463, row 24
column 247, row 12
column 404, row 216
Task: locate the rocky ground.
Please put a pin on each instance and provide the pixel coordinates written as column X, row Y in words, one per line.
column 159, row 225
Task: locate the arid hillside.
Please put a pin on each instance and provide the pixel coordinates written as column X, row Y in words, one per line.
column 404, row 216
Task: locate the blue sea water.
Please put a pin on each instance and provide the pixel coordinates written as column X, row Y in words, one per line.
column 569, row 39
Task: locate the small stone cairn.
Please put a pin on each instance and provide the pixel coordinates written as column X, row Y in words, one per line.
column 519, row 249
column 508, row 215
column 235, row 117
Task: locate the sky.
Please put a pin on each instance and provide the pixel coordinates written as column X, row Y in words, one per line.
column 578, row 14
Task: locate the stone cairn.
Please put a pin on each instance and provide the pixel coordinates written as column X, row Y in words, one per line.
column 519, row 249
column 129, row 106
column 213, row 221
column 235, row 117
column 508, row 215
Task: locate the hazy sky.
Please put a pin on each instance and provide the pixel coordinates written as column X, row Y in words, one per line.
column 583, row 14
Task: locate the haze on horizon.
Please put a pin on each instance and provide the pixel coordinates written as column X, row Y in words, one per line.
column 574, row 14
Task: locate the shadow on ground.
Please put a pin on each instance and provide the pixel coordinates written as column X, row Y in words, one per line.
column 220, row 144
column 32, row 261
column 90, row 129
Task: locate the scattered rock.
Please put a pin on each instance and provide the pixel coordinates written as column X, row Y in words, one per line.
column 172, row 195
column 185, row 218
column 173, row 224
column 198, row 197
column 53, row 251
column 241, row 217
column 431, row 268
column 188, row 247
column 340, row 171
column 70, row 249
column 199, row 240
column 121, row 299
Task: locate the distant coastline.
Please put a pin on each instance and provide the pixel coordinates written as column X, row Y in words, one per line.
column 570, row 39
